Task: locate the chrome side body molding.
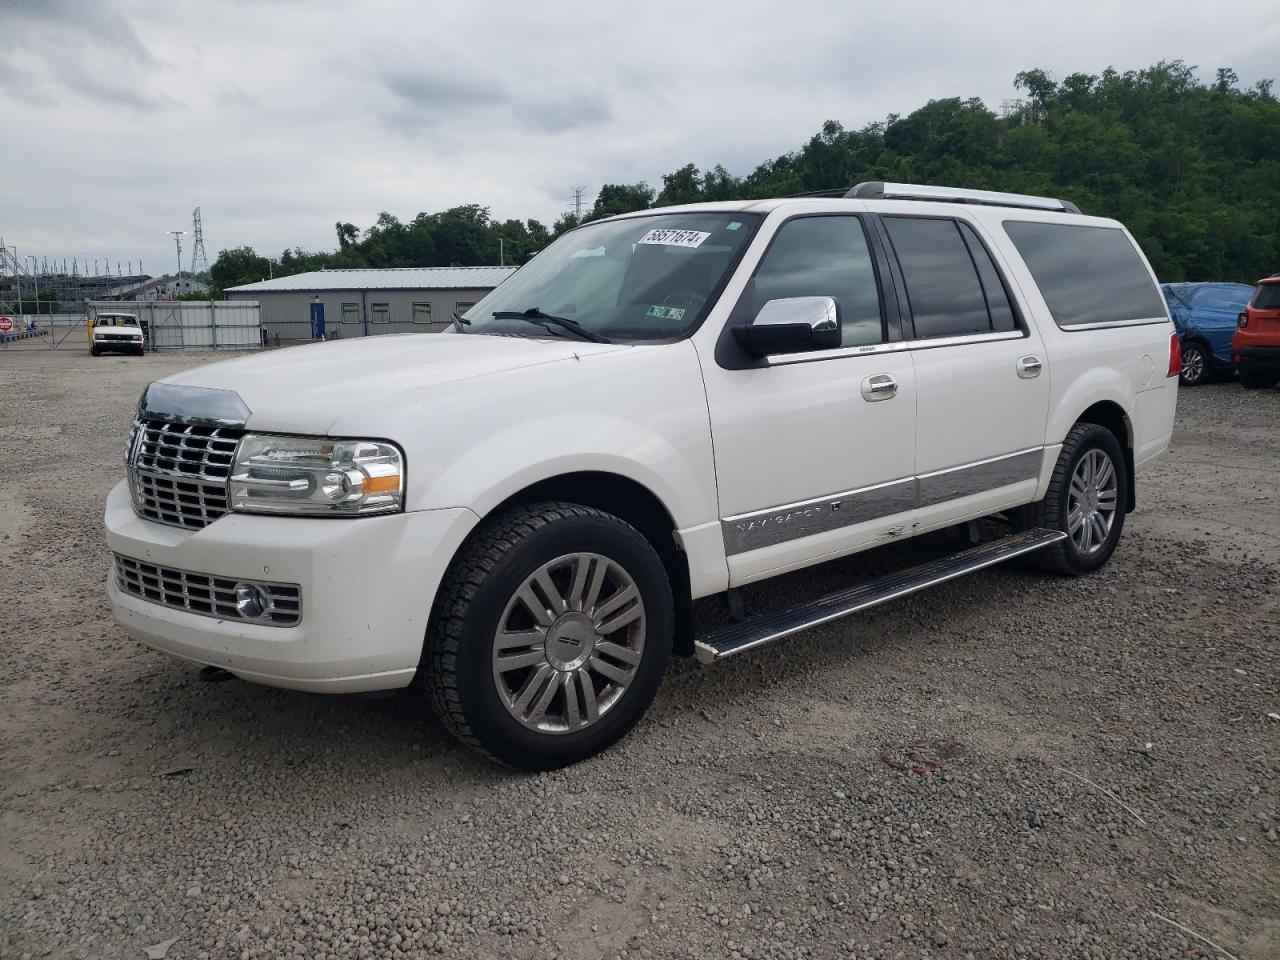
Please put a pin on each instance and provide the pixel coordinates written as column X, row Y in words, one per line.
column 765, row 528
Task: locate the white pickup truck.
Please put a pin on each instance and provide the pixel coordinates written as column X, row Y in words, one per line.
column 659, row 407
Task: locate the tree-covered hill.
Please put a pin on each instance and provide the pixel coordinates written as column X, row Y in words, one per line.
column 1192, row 168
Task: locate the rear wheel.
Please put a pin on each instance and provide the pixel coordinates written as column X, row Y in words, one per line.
column 94, row 351
column 1252, row 380
column 1195, row 364
column 1086, row 500
column 549, row 636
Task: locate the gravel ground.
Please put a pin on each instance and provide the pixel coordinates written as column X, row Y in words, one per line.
column 1107, row 756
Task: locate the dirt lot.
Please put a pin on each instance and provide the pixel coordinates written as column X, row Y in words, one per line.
column 1115, row 762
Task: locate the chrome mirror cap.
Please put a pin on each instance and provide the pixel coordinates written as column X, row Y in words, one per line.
column 819, row 314
column 792, row 324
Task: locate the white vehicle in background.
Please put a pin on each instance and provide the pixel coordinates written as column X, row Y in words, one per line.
column 115, row 331
column 662, row 406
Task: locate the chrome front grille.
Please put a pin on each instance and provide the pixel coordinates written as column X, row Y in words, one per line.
column 178, row 472
column 205, row 595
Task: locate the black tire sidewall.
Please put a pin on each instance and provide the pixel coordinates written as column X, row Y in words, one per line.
column 1256, row 381
column 486, row 715
column 1096, row 437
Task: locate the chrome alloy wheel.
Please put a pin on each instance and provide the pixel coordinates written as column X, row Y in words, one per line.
column 569, row 643
column 1092, row 501
column 1192, row 365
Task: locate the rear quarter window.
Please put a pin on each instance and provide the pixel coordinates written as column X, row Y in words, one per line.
column 1087, row 274
column 1267, row 297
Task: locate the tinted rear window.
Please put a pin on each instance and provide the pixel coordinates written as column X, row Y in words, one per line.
column 943, row 289
column 1086, row 274
column 1267, row 297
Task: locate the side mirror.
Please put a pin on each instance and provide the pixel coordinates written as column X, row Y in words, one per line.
column 791, row 326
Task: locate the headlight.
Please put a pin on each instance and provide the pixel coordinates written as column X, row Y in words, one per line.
column 316, row 476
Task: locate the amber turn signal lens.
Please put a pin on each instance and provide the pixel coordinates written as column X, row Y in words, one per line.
column 389, row 484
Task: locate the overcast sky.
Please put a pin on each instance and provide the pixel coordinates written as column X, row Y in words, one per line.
column 117, row 117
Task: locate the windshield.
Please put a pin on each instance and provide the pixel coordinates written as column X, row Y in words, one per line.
column 642, row 278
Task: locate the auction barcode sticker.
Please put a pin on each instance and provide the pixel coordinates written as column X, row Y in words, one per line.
column 674, row 238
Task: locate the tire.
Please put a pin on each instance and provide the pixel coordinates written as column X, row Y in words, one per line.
column 1069, row 557
column 1196, row 364
column 1252, row 380
column 493, row 706
column 95, row 352
column 139, row 352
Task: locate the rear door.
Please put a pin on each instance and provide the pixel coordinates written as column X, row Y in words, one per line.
column 982, row 375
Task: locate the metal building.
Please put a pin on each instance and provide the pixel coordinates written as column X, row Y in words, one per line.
column 358, row 303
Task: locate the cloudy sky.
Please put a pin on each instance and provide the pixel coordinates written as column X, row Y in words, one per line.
column 279, row 118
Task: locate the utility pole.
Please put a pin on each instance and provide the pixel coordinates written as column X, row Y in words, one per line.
column 577, row 202
column 177, row 239
column 501, row 262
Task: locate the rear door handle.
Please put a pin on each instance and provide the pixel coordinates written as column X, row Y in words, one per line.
column 879, row 387
column 1029, row 367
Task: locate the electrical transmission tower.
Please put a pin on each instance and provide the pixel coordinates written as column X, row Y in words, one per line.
column 199, row 261
column 577, row 202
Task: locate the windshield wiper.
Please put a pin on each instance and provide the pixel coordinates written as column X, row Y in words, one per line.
column 459, row 322
column 534, row 315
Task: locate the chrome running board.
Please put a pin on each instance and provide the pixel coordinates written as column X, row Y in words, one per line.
column 757, row 631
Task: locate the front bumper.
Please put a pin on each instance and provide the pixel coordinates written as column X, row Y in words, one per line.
column 367, row 586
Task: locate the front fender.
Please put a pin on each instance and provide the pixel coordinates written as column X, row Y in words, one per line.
column 639, row 413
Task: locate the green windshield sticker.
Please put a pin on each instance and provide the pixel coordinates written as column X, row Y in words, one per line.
column 665, row 313
column 734, row 226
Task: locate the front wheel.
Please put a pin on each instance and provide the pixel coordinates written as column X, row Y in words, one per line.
column 1195, row 365
column 549, row 636
column 1086, row 500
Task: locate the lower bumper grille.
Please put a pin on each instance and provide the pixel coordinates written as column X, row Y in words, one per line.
column 205, row 595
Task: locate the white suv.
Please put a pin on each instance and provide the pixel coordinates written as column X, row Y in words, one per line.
column 659, row 407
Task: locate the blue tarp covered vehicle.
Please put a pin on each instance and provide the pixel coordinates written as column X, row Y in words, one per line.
column 1205, row 315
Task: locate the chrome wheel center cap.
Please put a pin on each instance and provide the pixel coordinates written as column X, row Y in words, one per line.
column 570, row 641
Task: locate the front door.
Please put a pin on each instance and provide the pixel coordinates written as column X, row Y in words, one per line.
column 814, row 451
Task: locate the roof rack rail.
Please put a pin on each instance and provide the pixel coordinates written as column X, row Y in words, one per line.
column 880, row 190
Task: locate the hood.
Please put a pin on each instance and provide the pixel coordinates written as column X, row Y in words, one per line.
column 305, row 389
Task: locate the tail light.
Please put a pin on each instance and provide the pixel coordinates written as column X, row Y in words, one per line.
column 1242, row 321
column 1175, row 355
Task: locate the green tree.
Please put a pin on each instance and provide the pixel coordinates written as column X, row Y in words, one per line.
column 1193, row 169
column 616, row 198
column 237, row 266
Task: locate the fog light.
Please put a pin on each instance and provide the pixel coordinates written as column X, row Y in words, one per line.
column 251, row 602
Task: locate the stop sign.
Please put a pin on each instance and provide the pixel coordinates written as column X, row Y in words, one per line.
column 5, row 324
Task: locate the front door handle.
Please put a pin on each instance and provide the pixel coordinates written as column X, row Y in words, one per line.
column 1029, row 367
column 879, row 387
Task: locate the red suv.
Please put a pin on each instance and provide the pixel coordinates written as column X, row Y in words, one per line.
column 1255, row 348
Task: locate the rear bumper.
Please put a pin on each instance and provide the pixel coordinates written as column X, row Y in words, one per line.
column 366, row 586
column 1261, row 359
